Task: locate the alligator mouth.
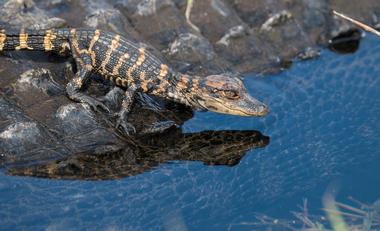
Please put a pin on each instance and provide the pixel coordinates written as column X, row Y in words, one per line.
column 260, row 110
column 247, row 106
column 250, row 106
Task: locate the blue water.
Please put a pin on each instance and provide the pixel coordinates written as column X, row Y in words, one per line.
column 325, row 131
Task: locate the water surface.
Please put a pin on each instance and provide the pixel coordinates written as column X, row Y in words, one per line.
column 324, row 129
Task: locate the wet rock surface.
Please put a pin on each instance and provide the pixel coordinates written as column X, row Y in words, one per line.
column 39, row 124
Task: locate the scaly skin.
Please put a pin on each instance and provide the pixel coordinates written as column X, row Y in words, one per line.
column 130, row 66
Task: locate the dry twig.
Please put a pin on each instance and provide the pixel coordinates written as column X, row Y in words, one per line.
column 189, row 6
column 359, row 24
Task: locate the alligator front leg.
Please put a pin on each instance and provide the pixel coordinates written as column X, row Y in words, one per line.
column 113, row 98
column 122, row 121
column 75, row 86
column 74, row 90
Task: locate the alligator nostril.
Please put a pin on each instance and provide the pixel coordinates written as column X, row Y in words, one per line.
column 263, row 110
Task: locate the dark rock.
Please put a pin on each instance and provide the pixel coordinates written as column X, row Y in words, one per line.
column 309, row 53
column 102, row 15
column 39, row 79
column 25, row 13
column 83, row 132
column 24, row 141
column 345, row 42
column 192, row 48
column 242, row 35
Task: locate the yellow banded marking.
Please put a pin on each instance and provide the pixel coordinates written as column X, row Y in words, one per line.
column 114, row 45
column 163, row 70
column 76, row 49
column 141, row 58
column 138, row 63
column 183, row 82
column 163, row 85
column 74, row 40
column 107, row 77
column 23, row 40
column 94, row 39
column 112, row 78
column 195, row 85
column 48, row 38
column 65, row 46
column 73, row 32
column 125, row 83
column 3, row 37
column 75, row 43
column 144, row 83
column 163, row 82
column 118, row 81
column 120, row 63
column 92, row 43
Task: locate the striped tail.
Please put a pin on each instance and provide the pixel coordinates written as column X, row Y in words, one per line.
column 39, row 40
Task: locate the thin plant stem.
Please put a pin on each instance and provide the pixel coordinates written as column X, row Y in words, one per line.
column 189, row 6
column 359, row 24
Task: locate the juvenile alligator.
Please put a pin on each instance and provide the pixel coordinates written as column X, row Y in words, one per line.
column 133, row 68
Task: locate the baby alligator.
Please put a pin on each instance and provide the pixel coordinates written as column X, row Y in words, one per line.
column 130, row 66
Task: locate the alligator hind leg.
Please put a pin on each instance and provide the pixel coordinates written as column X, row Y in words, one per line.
column 113, row 98
column 75, row 86
column 126, row 105
column 148, row 102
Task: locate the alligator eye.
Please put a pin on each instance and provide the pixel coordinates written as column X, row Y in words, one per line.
column 231, row 94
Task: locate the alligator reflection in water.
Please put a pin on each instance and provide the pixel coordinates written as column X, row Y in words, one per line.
column 148, row 151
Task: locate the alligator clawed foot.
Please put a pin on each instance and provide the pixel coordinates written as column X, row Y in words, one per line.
column 159, row 127
column 96, row 105
column 125, row 127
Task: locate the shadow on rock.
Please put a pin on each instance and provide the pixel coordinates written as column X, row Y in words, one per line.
column 148, row 151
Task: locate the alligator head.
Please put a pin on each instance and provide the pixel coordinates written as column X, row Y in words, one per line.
column 222, row 94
